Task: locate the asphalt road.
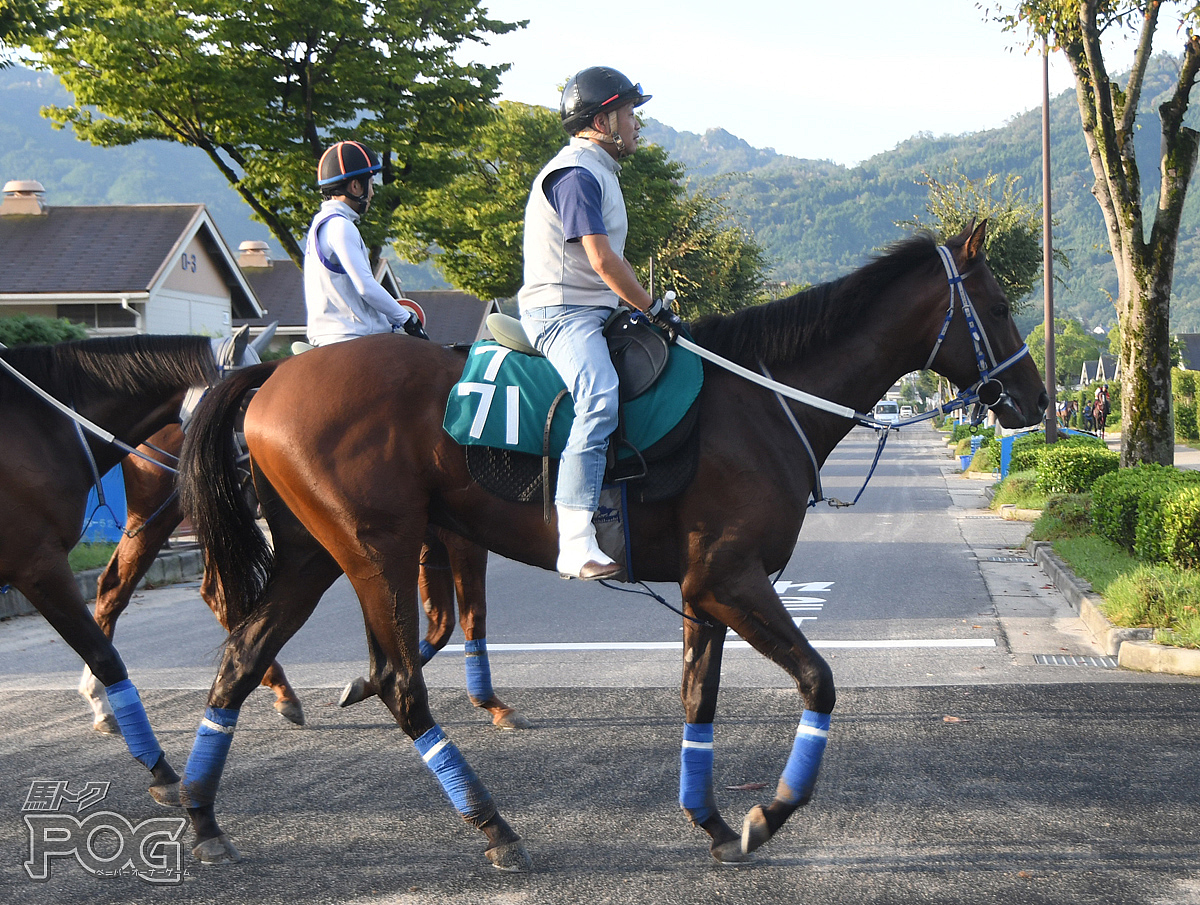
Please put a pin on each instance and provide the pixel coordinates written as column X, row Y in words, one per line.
column 959, row 768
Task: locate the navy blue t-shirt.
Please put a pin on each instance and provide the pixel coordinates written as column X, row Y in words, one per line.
column 574, row 194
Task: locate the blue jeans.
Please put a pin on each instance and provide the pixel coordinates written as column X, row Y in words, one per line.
column 572, row 338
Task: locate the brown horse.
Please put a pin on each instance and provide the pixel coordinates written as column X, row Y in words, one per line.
column 449, row 564
column 130, row 387
column 351, row 463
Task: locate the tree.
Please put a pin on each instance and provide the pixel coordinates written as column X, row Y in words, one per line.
column 26, row 329
column 1014, row 248
column 473, row 226
column 1072, row 347
column 1145, row 259
column 263, row 89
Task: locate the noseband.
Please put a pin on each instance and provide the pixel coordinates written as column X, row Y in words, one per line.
column 987, row 391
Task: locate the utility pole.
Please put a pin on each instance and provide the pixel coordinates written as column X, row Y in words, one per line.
column 1048, row 251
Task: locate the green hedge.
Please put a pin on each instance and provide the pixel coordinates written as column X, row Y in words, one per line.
column 1028, row 449
column 1128, row 509
column 1074, row 467
column 1181, row 527
column 1183, row 397
column 964, row 430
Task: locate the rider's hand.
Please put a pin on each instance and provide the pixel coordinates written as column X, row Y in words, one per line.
column 667, row 321
column 413, row 327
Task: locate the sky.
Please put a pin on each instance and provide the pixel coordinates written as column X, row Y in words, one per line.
column 820, row 80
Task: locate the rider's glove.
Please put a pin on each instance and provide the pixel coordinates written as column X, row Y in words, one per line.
column 667, row 321
column 412, row 327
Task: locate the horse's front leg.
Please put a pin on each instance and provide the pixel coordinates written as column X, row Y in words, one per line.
column 703, row 645
column 745, row 600
column 56, row 596
column 468, row 564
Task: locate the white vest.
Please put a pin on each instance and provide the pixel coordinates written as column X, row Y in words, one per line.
column 557, row 272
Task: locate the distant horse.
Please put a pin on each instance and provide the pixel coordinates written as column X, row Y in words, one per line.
column 1100, row 410
column 352, row 484
column 449, row 564
column 130, row 387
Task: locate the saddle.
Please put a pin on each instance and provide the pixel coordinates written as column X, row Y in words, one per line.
column 512, row 413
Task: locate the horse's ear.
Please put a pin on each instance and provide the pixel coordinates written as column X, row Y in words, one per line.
column 974, row 246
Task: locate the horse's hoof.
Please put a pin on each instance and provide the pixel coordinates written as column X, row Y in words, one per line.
column 731, row 853
column 217, row 850
column 755, row 829
column 510, row 856
column 107, row 724
column 511, row 719
column 354, row 692
column 167, row 794
column 290, row 711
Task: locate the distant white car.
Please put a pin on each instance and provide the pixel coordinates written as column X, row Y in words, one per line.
column 906, row 411
column 887, row 412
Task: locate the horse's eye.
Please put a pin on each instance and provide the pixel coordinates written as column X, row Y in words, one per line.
column 1000, row 311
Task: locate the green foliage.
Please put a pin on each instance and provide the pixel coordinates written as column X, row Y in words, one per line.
column 1181, row 527
column 1072, row 347
column 1127, row 505
column 24, row 330
column 1158, row 597
column 264, row 89
column 967, row 430
column 1013, row 248
column 90, row 556
column 1073, row 468
column 1183, row 397
column 1019, row 489
column 1028, row 449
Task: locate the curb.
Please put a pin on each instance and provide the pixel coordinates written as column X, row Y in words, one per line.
column 1134, row 648
column 169, row 568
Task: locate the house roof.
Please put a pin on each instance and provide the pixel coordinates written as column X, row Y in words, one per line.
column 454, row 317
column 110, row 249
column 1191, row 350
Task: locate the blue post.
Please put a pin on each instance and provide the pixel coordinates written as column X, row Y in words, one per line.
column 1006, row 444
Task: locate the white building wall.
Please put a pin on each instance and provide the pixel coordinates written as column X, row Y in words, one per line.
column 174, row 312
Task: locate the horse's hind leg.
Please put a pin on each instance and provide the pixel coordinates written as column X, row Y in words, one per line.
column 746, row 601
column 287, row 703
column 302, row 573
column 383, row 569
column 467, row 562
column 56, row 596
column 702, row 649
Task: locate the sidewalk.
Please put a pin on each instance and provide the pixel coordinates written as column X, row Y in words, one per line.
column 182, row 563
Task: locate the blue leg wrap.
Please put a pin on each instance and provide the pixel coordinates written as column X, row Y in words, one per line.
column 468, row 795
column 800, row 775
column 427, row 651
column 696, row 771
column 206, row 763
column 479, row 671
column 135, row 726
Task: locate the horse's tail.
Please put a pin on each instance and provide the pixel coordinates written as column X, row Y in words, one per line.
column 211, row 494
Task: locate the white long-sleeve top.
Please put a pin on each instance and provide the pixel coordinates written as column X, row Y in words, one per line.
column 341, row 295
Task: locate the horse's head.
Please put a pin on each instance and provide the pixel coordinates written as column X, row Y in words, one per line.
column 982, row 347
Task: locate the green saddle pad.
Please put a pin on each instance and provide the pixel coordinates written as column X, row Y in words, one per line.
column 504, row 397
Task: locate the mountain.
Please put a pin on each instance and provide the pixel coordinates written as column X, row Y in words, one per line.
column 817, row 219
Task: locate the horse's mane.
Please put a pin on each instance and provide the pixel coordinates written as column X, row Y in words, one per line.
column 132, row 366
column 780, row 331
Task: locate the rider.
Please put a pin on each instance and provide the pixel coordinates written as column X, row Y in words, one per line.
column 342, row 296
column 575, row 276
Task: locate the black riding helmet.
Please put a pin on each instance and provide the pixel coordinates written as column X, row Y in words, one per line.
column 596, row 89
column 343, row 162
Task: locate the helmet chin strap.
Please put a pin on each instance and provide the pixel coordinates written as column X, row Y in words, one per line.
column 611, row 137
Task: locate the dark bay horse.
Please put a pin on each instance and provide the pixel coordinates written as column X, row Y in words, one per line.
column 130, row 387
column 450, row 565
column 351, row 463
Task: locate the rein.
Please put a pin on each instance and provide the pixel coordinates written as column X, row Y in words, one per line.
column 973, row 395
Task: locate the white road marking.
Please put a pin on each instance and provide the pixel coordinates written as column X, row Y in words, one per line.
column 882, row 644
